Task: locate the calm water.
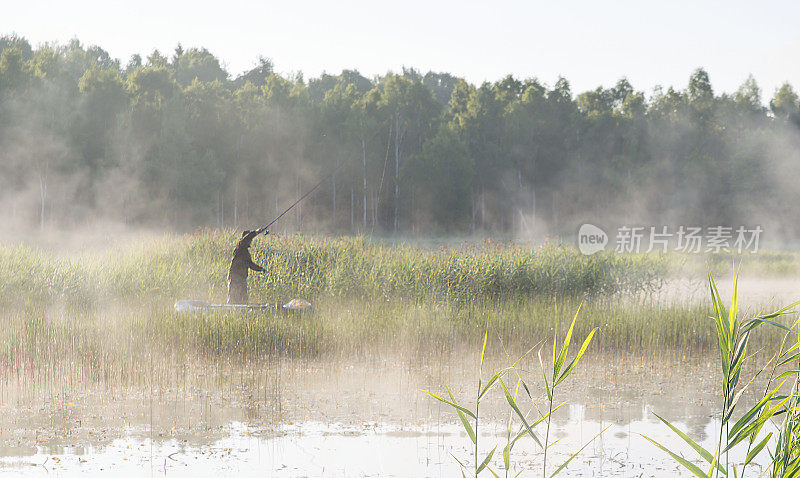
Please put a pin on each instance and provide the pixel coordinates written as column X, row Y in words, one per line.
column 366, row 418
column 360, row 416
column 316, row 449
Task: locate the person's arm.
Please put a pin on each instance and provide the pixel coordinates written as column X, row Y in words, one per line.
column 252, row 265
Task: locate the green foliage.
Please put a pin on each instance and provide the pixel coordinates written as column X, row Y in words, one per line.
column 13, row 71
column 784, row 104
column 324, row 267
column 526, row 425
column 733, row 336
column 517, row 290
column 444, row 172
column 197, row 64
column 180, row 143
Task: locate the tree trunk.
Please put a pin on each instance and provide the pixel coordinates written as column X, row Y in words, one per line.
column 396, row 173
column 236, row 204
column 474, row 212
column 43, row 195
column 297, row 198
column 276, row 201
column 412, row 215
column 555, row 215
column 374, row 208
column 333, row 213
column 236, row 184
column 364, row 161
column 483, row 206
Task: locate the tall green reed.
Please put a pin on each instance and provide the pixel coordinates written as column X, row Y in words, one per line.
column 558, row 373
column 463, row 413
column 179, row 266
column 733, row 337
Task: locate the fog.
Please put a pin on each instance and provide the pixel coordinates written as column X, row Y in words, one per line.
column 176, row 143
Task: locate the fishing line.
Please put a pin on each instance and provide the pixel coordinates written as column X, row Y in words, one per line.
column 266, row 228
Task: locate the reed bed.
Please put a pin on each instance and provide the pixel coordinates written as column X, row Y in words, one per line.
column 764, row 263
column 107, row 337
column 367, row 296
column 750, row 426
column 321, row 267
column 103, row 322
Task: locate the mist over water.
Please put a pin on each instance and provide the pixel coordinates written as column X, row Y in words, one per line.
column 175, row 143
column 127, row 184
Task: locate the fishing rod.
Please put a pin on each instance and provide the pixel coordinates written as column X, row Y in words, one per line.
column 266, row 228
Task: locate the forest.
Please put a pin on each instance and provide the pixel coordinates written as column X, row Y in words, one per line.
column 177, row 142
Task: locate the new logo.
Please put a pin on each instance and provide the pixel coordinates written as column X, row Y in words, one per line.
column 591, row 239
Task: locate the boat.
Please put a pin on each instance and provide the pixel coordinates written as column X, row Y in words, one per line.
column 193, row 305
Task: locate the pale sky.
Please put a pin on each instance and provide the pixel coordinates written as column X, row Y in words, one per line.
column 590, row 42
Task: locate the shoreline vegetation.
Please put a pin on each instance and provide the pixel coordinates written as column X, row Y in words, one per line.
column 105, row 321
column 347, row 267
column 366, row 295
column 177, row 266
column 174, row 140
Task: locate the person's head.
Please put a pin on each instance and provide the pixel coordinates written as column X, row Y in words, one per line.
column 246, row 239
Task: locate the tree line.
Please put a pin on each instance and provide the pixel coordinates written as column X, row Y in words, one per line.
column 179, row 142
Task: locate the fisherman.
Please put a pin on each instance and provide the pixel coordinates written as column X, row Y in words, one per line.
column 240, row 265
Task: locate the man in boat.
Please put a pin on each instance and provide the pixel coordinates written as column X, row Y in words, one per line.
column 240, row 266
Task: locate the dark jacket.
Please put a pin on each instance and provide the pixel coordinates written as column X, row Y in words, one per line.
column 240, row 266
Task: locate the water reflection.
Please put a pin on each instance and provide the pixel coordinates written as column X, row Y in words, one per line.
column 369, row 449
column 357, row 418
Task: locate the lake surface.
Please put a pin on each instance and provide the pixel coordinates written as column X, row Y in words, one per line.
column 365, row 418
column 361, row 415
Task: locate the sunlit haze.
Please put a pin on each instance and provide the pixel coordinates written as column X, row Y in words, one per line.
column 409, row 238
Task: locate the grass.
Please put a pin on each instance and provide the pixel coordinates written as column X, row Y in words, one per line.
column 748, row 427
column 558, row 371
column 177, row 266
column 107, row 318
column 765, row 263
column 344, row 328
column 367, row 295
